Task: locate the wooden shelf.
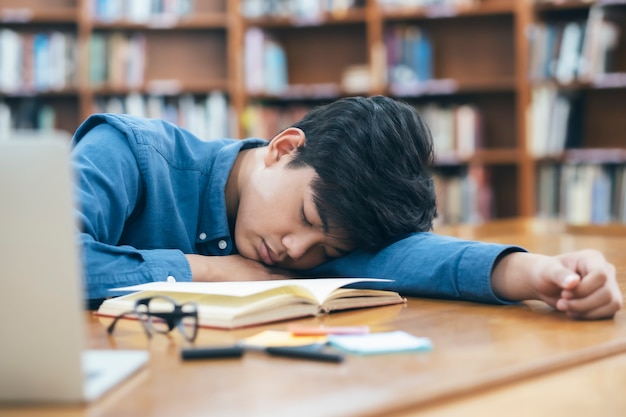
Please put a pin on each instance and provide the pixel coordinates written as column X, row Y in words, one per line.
column 595, row 155
column 27, row 15
column 451, row 87
column 443, row 12
column 614, row 80
column 164, row 87
column 65, row 92
column 480, row 59
column 482, row 156
column 306, row 92
column 195, row 22
column 564, row 5
column 356, row 15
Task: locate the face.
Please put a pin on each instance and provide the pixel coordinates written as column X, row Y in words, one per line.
column 277, row 220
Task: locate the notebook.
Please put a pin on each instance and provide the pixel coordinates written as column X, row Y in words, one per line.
column 42, row 355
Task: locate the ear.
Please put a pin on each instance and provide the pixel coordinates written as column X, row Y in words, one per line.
column 284, row 144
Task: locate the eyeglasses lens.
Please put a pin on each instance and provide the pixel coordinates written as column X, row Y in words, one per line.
column 188, row 325
column 156, row 306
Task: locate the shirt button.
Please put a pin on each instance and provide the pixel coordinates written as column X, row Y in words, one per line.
column 222, row 244
column 202, row 236
column 171, row 279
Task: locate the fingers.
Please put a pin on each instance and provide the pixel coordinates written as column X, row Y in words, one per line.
column 599, row 306
column 592, row 282
column 567, row 281
column 596, row 296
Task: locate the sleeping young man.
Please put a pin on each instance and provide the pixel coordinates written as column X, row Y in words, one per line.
column 346, row 191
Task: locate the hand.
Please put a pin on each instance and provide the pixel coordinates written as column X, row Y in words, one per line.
column 592, row 291
column 232, row 268
column 582, row 284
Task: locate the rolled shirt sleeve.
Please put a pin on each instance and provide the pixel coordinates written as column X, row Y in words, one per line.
column 427, row 265
column 148, row 193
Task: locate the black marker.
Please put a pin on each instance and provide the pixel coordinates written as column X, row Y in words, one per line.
column 212, row 353
column 304, row 353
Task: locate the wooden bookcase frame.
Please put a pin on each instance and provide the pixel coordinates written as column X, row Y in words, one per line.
column 482, row 48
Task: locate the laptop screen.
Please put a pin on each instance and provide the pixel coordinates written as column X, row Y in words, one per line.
column 40, row 288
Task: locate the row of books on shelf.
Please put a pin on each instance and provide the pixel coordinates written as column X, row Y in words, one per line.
column 409, row 57
column 207, row 117
column 117, row 59
column 409, row 71
column 456, row 130
column 464, row 197
column 266, row 72
column 432, row 5
column 578, row 193
column 141, row 11
column 300, row 10
column 265, row 63
column 46, row 61
column 555, row 121
column 577, row 50
column 582, row 193
column 36, row 62
column 29, row 114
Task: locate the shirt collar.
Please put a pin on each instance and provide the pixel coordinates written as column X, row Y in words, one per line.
column 213, row 216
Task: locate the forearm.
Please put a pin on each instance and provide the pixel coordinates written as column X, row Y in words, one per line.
column 109, row 267
column 232, row 268
column 428, row 265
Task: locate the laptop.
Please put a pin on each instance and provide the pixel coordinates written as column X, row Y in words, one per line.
column 42, row 355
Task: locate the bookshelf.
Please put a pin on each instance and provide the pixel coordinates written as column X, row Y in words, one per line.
column 472, row 67
column 170, row 61
column 577, row 70
column 38, row 99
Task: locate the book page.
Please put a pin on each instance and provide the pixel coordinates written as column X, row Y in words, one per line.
column 320, row 288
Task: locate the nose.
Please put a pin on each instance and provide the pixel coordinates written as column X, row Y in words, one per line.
column 299, row 243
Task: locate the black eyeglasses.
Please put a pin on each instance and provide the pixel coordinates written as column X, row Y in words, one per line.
column 160, row 314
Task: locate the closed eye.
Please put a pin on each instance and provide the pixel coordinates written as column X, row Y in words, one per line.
column 305, row 221
column 334, row 252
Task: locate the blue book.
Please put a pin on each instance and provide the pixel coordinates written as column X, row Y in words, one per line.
column 97, row 59
column 424, row 68
column 275, row 68
column 41, row 48
column 600, row 196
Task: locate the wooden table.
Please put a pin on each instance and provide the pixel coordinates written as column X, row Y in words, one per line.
column 486, row 360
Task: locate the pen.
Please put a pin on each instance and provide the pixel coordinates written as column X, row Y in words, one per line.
column 212, row 353
column 237, row 351
column 303, row 353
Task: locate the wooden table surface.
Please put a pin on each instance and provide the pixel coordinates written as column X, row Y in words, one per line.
column 486, row 360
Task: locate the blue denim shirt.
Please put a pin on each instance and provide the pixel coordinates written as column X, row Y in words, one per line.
column 150, row 192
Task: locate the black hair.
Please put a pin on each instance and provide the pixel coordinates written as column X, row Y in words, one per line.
column 372, row 157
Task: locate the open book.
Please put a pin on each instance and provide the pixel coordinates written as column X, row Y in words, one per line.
column 247, row 303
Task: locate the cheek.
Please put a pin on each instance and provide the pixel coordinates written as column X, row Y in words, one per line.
column 245, row 231
column 256, row 220
column 264, row 198
column 244, row 245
